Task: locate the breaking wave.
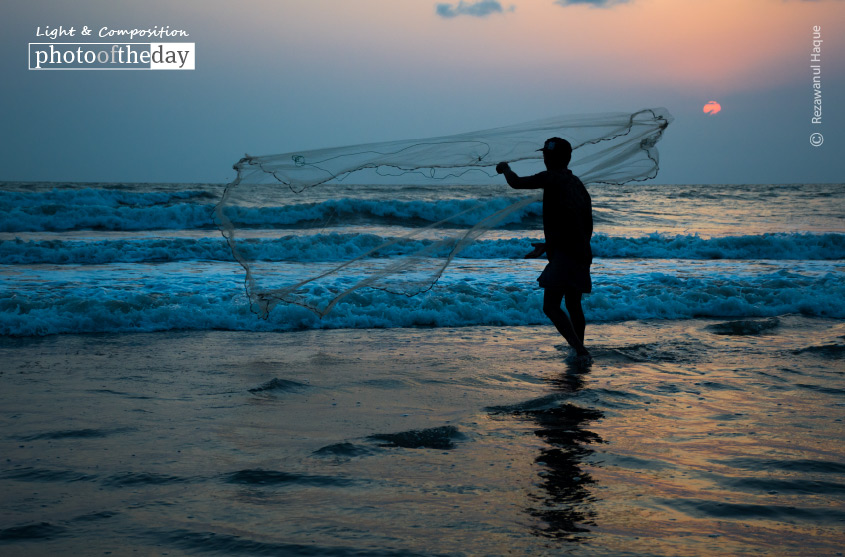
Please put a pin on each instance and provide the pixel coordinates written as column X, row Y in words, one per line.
column 210, row 297
column 338, row 246
column 90, row 209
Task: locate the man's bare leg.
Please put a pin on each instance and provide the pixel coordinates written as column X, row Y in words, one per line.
column 552, row 299
column 576, row 314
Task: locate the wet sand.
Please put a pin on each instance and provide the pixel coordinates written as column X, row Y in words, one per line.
column 696, row 437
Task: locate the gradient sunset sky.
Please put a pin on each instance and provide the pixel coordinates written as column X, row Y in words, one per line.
column 278, row 76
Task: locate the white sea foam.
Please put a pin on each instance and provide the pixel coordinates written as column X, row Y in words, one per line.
column 337, row 246
column 109, row 210
column 618, row 211
column 48, row 299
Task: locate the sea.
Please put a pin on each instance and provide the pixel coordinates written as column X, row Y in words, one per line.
column 146, row 408
column 103, row 258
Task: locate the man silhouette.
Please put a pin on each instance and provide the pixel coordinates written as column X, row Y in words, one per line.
column 568, row 226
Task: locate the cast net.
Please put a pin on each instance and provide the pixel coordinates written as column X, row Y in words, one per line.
column 612, row 148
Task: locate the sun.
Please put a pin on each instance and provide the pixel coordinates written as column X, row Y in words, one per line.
column 712, row 108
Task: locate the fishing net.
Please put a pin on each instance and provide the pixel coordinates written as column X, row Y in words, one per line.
column 611, row 148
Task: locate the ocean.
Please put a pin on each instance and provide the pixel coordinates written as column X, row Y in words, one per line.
column 148, row 257
column 146, row 409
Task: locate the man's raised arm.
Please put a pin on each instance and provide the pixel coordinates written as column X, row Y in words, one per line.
column 514, row 181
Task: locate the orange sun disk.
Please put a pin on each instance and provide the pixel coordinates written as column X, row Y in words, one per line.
column 712, row 108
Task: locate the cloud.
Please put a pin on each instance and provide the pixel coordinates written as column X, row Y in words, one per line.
column 482, row 8
column 594, row 3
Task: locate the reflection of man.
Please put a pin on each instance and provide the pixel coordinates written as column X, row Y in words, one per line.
column 568, row 226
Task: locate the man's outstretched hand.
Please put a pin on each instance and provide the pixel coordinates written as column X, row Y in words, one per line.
column 539, row 249
column 502, row 167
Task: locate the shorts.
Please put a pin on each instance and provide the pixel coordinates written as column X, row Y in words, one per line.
column 567, row 274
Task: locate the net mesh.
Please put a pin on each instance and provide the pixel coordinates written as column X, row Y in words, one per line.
column 612, row 148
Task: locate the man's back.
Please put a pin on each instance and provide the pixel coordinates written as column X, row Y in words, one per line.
column 567, row 211
column 567, row 215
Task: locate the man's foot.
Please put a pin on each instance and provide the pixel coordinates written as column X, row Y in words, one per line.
column 579, row 361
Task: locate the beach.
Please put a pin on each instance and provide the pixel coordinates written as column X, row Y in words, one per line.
column 147, row 408
column 693, row 437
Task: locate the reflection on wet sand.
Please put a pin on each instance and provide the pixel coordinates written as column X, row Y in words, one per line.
column 564, row 502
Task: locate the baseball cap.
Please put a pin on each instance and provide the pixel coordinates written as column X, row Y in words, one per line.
column 556, row 145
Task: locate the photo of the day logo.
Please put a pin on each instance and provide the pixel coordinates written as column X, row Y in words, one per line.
column 112, row 56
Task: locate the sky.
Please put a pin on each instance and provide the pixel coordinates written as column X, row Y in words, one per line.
column 285, row 75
